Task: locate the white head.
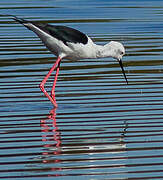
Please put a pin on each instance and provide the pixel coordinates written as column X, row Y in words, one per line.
column 117, row 51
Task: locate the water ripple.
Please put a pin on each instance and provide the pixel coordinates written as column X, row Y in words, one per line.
column 103, row 128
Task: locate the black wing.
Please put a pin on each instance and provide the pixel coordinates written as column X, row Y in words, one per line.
column 63, row 33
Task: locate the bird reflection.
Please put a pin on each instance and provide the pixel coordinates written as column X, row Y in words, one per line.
column 110, row 147
column 50, row 136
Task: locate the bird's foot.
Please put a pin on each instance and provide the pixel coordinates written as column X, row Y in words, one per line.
column 51, row 98
column 54, row 100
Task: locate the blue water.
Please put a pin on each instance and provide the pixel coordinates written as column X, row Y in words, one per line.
column 102, row 128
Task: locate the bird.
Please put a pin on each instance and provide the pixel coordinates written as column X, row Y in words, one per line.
column 69, row 43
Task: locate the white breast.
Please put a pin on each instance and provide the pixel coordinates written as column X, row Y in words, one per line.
column 82, row 51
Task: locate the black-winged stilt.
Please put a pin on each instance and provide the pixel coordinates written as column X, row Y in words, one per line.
column 69, row 43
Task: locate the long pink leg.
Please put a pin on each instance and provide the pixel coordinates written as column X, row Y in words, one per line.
column 55, row 80
column 46, row 78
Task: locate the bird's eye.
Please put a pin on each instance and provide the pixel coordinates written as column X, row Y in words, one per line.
column 121, row 53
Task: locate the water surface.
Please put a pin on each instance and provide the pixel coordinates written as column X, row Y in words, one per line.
column 102, row 128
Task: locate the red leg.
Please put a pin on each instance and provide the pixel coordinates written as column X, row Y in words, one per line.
column 53, row 101
column 55, row 80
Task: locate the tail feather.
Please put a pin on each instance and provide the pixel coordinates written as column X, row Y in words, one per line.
column 20, row 20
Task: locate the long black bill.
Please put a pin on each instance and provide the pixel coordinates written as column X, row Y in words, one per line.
column 121, row 65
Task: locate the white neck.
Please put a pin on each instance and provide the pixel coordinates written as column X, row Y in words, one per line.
column 103, row 51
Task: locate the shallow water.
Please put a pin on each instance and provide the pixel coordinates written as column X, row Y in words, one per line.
column 102, row 128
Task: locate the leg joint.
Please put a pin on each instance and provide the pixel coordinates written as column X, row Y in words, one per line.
column 42, row 87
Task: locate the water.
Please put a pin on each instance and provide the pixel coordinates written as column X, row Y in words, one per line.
column 102, row 128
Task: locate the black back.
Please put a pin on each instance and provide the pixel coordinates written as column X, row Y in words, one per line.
column 63, row 33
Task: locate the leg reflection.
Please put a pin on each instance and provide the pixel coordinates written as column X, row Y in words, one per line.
column 50, row 137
